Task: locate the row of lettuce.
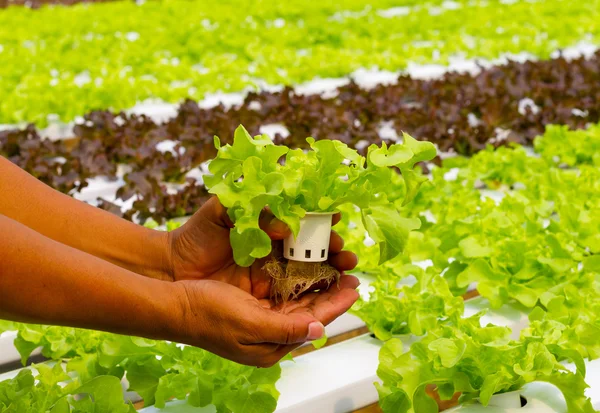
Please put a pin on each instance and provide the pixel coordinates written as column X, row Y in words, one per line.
column 459, row 113
column 119, row 53
column 535, row 249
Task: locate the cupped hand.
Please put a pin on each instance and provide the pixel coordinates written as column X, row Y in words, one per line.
column 201, row 250
column 233, row 324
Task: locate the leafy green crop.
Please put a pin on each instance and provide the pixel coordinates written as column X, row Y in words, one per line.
column 560, row 145
column 401, row 309
column 462, row 356
column 52, row 390
column 156, row 370
column 247, row 177
column 535, row 246
column 116, row 54
column 459, row 355
column 514, row 248
column 6, row 326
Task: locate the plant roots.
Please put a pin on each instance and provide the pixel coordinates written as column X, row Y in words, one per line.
column 292, row 278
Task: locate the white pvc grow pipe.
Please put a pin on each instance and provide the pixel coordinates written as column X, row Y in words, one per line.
column 8, row 352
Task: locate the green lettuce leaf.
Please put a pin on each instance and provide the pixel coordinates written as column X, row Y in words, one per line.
column 248, row 177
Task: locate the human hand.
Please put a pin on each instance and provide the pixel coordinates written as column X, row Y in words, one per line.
column 235, row 325
column 201, row 249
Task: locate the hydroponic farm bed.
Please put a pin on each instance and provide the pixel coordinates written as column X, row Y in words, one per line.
column 478, row 255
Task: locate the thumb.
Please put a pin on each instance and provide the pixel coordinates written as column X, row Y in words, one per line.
column 214, row 212
column 211, row 213
column 275, row 228
column 291, row 328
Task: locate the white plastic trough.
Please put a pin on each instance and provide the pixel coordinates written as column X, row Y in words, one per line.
column 8, row 352
column 99, row 187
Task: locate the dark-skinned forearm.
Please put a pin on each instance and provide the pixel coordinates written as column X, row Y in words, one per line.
column 43, row 281
column 81, row 226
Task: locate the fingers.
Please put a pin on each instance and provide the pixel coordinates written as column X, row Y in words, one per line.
column 344, row 261
column 214, row 212
column 328, row 307
column 341, row 260
column 274, row 354
column 276, row 229
column 281, row 333
column 336, row 218
column 260, row 280
column 336, row 243
column 321, row 285
column 348, row 281
column 310, row 302
column 275, row 327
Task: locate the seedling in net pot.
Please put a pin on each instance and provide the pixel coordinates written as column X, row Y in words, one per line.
column 304, row 191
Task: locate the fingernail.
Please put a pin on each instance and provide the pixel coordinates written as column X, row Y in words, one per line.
column 315, row 331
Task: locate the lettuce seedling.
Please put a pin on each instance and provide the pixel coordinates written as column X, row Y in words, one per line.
column 253, row 173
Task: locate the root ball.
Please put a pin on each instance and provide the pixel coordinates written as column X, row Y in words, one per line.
column 292, row 278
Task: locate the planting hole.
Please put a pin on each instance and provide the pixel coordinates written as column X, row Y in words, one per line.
column 523, row 401
column 307, row 254
column 322, row 253
column 291, row 252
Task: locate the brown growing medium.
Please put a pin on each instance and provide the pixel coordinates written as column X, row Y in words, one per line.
column 293, row 278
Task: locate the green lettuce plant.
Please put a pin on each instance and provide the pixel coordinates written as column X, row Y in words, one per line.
column 52, row 390
column 94, row 362
column 534, row 247
column 459, row 355
column 253, row 173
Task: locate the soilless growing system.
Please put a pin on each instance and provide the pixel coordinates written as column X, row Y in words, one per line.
column 463, row 159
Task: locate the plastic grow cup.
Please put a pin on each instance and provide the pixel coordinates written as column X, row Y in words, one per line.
column 505, row 403
column 312, row 242
column 510, row 400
